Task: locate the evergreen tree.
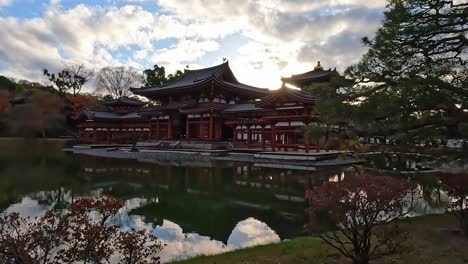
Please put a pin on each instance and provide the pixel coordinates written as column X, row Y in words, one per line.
column 414, row 76
column 157, row 76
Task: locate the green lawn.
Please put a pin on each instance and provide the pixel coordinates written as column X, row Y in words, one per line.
column 433, row 239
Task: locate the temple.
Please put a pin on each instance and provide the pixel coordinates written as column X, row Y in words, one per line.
column 205, row 105
column 305, row 79
column 122, row 122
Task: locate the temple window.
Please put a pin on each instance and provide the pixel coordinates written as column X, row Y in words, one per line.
column 203, row 98
column 219, row 99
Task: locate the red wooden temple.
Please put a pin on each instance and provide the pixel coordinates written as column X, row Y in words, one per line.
column 205, row 105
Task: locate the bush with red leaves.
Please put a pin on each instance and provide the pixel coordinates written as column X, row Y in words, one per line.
column 138, row 247
column 357, row 207
column 72, row 236
column 457, row 187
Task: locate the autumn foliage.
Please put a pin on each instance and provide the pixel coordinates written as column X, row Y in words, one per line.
column 42, row 113
column 357, row 207
column 80, row 101
column 4, row 102
column 79, row 234
column 457, row 188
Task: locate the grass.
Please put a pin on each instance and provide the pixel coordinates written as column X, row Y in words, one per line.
column 299, row 250
column 433, row 239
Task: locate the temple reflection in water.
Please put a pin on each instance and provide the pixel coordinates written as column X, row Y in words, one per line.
column 202, row 197
column 210, row 197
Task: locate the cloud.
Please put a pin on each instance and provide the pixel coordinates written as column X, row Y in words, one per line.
column 251, row 232
column 81, row 34
column 178, row 244
column 184, row 51
column 5, row 3
column 279, row 37
column 284, row 36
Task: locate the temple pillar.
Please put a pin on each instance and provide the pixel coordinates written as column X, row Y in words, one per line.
column 108, row 136
column 249, row 137
column 211, row 126
column 158, row 136
column 263, row 137
column 81, row 133
column 234, row 135
column 219, row 129
column 187, row 128
column 306, row 141
column 200, row 127
column 294, row 141
column 169, row 127
column 273, row 136
column 95, row 136
column 150, row 133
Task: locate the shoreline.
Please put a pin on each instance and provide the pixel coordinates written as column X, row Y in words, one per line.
column 432, row 239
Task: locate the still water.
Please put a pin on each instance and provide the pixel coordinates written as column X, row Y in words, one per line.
column 194, row 207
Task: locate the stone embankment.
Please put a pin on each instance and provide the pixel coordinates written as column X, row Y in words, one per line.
column 147, row 155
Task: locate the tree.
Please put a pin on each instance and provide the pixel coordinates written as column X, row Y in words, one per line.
column 81, row 101
column 138, row 247
column 457, row 187
column 157, row 76
column 71, row 78
column 44, row 112
column 414, row 76
column 73, row 236
column 356, row 208
column 4, row 101
column 312, row 133
column 14, row 243
column 117, row 81
column 31, row 241
column 332, row 105
column 7, row 84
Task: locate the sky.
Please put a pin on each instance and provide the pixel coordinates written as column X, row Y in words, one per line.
column 262, row 39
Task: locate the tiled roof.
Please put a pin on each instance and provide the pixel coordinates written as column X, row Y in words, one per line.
column 189, row 78
column 310, row 75
column 242, row 86
column 192, row 78
column 283, row 92
column 125, row 101
column 242, row 108
column 101, row 114
column 204, row 107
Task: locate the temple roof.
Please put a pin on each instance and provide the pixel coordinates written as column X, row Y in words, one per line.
column 18, row 100
column 242, row 108
column 102, row 114
column 191, row 78
column 246, row 87
column 316, row 75
column 283, row 94
column 125, row 101
column 203, row 108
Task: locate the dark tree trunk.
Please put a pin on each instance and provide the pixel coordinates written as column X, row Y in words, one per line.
column 361, row 260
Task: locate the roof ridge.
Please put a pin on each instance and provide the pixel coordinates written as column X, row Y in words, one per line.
column 222, row 65
column 239, row 83
column 314, row 70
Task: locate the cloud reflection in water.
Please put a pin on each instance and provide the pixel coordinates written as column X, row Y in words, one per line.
column 179, row 245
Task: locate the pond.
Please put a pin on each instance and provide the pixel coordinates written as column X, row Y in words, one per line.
column 195, row 207
column 398, row 162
